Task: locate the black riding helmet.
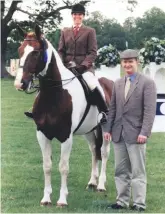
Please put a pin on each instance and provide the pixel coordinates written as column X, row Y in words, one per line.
column 78, row 8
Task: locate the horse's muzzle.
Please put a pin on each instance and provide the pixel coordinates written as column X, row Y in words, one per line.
column 25, row 84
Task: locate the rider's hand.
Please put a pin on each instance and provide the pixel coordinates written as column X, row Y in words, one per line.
column 81, row 68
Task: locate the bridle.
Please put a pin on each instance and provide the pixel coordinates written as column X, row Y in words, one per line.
column 32, row 87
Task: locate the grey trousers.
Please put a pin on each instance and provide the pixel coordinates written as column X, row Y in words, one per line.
column 130, row 171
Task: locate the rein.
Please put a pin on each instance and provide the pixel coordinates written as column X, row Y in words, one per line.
column 52, row 82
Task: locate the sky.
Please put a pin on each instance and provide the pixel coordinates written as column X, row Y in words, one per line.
column 110, row 8
column 116, row 9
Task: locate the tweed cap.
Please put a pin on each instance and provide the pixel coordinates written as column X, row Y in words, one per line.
column 128, row 54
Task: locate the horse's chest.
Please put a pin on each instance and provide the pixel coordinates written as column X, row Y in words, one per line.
column 53, row 116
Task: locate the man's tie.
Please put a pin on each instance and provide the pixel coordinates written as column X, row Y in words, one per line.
column 75, row 30
column 127, row 86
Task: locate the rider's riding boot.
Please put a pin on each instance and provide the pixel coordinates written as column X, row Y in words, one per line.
column 29, row 114
column 101, row 105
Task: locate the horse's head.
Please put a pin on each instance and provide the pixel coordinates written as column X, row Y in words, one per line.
column 33, row 57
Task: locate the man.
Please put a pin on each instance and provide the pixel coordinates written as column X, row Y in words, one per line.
column 78, row 45
column 130, row 120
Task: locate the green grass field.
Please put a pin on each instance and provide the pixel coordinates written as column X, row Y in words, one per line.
column 22, row 174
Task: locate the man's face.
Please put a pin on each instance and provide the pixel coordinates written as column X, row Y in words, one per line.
column 130, row 66
column 77, row 18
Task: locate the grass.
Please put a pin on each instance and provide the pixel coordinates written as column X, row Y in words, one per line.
column 22, row 174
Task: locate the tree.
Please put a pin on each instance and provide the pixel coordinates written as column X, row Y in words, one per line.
column 47, row 14
column 152, row 24
column 129, row 26
column 54, row 37
column 138, row 30
column 107, row 30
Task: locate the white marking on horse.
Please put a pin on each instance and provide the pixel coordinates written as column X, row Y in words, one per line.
column 66, row 148
column 49, row 53
column 17, row 81
column 27, row 50
column 47, row 166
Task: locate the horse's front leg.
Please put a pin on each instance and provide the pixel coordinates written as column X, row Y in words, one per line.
column 47, row 165
column 95, row 171
column 66, row 148
column 105, row 149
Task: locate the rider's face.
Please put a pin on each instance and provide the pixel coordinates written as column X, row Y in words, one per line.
column 77, row 18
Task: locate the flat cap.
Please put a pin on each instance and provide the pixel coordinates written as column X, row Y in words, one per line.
column 128, row 54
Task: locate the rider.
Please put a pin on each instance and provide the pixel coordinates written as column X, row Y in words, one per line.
column 78, row 45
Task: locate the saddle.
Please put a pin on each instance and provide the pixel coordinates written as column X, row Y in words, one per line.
column 88, row 93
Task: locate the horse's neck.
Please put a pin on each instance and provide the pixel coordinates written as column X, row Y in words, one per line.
column 59, row 68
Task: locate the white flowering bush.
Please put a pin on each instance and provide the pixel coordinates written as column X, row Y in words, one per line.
column 107, row 55
column 153, row 51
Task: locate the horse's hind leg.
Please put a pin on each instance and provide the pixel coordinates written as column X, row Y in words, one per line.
column 64, row 170
column 105, row 149
column 95, row 172
column 47, row 165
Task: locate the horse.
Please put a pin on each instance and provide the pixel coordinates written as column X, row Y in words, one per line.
column 58, row 111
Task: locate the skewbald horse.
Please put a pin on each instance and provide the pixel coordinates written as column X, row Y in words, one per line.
column 58, row 109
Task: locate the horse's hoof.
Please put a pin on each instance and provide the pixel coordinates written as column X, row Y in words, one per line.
column 61, row 205
column 91, row 187
column 46, row 203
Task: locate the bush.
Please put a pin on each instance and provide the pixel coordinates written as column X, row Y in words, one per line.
column 107, row 55
column 153, row 51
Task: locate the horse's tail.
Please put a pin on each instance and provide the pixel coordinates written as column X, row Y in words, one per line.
column 98, row 142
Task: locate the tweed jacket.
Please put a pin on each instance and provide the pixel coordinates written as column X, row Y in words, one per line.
column 135, row 114
column 81, row 49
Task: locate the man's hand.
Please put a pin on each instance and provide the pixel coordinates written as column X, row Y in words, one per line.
column 141, row 139
column 107, row 136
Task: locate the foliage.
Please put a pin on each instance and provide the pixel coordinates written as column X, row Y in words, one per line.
column 107, row 55
column 134, row 30
column 152, row 24
column 46, row 13
column 153, row 51
column 108, row 31
column 54, row 37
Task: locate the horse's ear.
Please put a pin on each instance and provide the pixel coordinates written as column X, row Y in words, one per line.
column 38, row 32
column 21, row 31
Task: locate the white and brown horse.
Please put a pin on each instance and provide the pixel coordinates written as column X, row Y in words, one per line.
column 58, row 110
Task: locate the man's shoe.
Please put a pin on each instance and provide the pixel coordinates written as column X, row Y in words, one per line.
column 117, row 206
column 28, row 114
column 136, row 208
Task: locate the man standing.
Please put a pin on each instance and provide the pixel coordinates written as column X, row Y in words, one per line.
column 130, row 120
